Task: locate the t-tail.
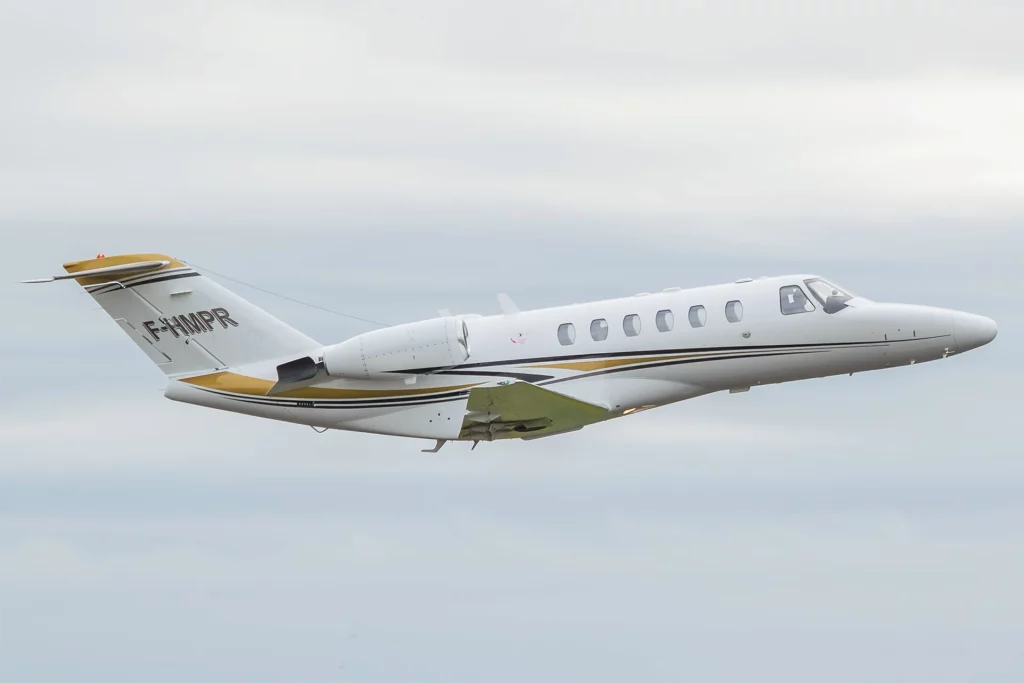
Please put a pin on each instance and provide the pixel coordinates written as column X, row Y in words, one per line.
column 183, row 321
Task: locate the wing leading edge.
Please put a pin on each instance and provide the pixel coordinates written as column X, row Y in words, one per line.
column 520, row 410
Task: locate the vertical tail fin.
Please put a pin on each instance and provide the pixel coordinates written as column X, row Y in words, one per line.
column 182, row 320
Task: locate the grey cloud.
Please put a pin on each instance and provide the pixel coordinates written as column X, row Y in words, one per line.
column 542, row 571
column 241, row 113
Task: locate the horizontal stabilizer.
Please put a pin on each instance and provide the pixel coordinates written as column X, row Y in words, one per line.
column 123, row 269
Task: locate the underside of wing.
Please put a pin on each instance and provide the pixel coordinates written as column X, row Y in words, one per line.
column 520, row 410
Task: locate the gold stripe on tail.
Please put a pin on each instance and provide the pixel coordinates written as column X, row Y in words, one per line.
column 123, row 259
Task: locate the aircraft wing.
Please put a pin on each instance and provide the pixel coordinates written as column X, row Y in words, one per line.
column 514, row 409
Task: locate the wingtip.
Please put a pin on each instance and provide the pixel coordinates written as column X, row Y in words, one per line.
column 508, row 307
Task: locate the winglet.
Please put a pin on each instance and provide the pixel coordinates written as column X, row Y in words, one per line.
column 508, row 307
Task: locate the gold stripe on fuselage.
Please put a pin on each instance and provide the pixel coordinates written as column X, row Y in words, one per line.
column 235, row 383
column 604, row 363
column 253, row 386
column 588, row 365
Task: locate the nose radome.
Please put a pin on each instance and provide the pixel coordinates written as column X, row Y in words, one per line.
column 972, row 331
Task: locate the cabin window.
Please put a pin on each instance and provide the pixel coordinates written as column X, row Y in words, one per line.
column 698, row 316
column 793, row 300
column 566, row 334
column 734, row 311
column 599, row 329
column 664, row 320
column 631, row 325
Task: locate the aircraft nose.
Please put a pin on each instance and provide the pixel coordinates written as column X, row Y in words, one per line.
column 971, row 331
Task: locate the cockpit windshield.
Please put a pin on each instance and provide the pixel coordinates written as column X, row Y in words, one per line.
column 831, row 297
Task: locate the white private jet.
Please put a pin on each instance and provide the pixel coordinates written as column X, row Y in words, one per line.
column 521, row 374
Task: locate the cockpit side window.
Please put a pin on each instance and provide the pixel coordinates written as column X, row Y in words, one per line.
column 832, row 298
column 793, row 300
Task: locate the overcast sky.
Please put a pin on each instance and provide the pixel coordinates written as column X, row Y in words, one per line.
column 388, row 159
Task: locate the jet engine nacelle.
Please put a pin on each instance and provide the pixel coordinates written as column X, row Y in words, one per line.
column 428, row 344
